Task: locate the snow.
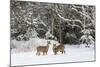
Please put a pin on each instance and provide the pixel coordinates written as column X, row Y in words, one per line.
column 84, row 14
column 73, row 54
column 65, row 19
column 38, row 21
column 25, row 46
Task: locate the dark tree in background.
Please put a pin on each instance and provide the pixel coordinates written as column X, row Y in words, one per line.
column 67, row 23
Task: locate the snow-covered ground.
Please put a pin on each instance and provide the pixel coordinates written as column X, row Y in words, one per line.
column 73, row 54
column 31, row 45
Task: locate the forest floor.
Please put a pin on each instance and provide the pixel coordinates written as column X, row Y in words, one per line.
column 73, row 54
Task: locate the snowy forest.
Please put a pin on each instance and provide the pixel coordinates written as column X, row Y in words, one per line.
column 71, row 24
column 38, row 24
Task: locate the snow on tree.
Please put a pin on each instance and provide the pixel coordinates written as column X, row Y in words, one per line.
column 75, row 20
column 50, row 36
column 86, row 18
column 38, row 21
column 31, row 33
column 87, row 39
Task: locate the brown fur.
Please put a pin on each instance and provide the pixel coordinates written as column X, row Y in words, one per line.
column 59, row 48
column 43, row 49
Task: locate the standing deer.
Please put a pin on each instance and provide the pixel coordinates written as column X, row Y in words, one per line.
column 43, row 49
column 59, row 48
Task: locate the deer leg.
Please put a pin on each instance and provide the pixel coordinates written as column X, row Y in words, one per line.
column 64, row 52
column 55, row 53
column 46, row 53
column 39, row 54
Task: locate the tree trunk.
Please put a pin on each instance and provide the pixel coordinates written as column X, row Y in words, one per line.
column 52, row 25
column 60, row 36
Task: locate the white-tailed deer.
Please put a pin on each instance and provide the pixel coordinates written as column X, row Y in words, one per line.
column 43, row 49
column 59, row 48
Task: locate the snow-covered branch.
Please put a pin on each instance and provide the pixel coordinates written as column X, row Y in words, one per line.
column 77, row 26
column 65, row 19
column 76, row 20
column 84, row 14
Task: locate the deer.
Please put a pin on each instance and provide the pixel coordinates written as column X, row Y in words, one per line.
column 59, row 48
column 43, row 49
